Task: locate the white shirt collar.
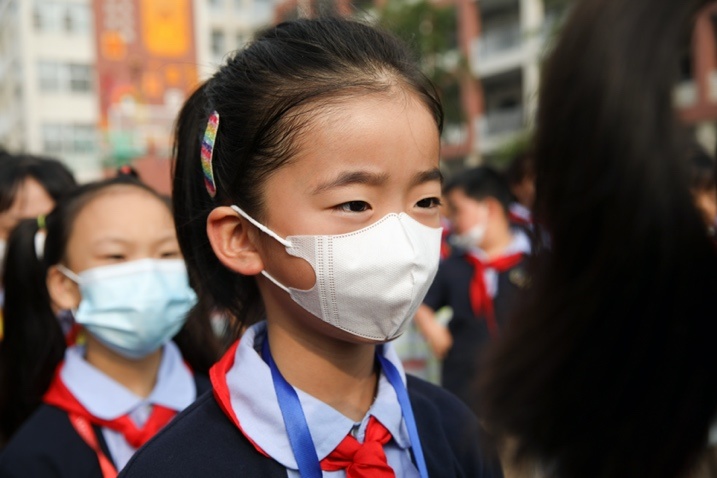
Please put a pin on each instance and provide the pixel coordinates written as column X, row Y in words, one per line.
column 256, row 407
column 106, row 399
column 519, row 245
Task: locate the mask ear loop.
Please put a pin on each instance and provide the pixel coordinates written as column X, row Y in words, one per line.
column 261, row 227
column 270, row 233
column 69, row 274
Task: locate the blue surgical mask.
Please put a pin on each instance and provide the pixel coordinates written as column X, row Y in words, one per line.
column 134, row 307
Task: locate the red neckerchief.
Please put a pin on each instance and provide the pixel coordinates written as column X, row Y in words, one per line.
column 60, row 396
column 218, row 377
column 362, row 460
column 481, row 301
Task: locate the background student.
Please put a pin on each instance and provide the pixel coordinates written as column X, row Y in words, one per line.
column 108, row 252
column 481, row 281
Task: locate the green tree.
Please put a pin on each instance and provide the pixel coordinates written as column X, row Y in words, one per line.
column 432, row 31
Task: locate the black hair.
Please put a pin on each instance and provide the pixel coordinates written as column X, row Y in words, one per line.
column 52, row 175
column 520, row 168
column 34, row 343
column 609, row 368
column 702, row 169
column 481, row 183
column 266, row 96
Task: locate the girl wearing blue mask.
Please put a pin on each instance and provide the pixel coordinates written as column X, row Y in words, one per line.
column 108, row 252
column 306, row 196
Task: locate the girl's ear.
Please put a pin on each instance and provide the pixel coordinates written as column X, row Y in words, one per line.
column 64, row 293
column 232, row 241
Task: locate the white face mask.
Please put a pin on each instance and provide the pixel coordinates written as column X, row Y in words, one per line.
column 134, row 307
column 471, row 238
column 370, row 282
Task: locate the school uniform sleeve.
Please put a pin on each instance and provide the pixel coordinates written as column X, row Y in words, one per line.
column 47, row 446
column 438, row 293
column 450, row 434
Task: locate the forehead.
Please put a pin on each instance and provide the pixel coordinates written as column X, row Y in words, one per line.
column 31, row 200
column 385, row 131
column 122, row 209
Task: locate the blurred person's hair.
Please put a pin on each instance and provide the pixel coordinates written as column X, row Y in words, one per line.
column 481, row 183
column 521, row 167
column 34, row 343
column 50, row 173
column 702, row 169
column 608, row 370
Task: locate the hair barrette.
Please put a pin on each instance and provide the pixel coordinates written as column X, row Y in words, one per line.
column 210, row 137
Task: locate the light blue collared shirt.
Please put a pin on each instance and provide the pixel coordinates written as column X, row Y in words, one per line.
column 106, row 399
column 255, row 404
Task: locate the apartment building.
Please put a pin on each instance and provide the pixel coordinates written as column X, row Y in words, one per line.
column 225, row 25
column 505, row 59
column 48, row 89
column 97, row 83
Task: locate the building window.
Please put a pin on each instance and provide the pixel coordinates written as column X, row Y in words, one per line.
column 48, row 73
column 60, row 138
column 61, row 17
column 218, row 48
column 57, row 77
column 80, row 78
column 242, row 39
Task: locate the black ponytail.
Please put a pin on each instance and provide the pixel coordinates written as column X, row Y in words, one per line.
column 34, row 343
column 609, row 370
column 266, row 95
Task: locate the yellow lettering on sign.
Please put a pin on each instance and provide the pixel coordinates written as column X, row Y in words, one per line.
column 166, row 26
column 113, row 45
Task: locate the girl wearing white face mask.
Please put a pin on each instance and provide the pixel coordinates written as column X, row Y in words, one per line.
column 109, row 254
column 310, row 212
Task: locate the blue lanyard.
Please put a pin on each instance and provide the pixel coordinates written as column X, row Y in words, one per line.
column 298, row 430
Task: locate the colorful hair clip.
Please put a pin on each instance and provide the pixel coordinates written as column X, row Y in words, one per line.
column 210, row 137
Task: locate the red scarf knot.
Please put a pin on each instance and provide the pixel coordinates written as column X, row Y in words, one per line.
column 60, row 396
column 481, row 301
column 362, row 460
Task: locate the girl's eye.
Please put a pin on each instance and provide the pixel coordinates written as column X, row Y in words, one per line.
column 354, row 206
column 115, row 257
column 429, row 203
column 170, row 255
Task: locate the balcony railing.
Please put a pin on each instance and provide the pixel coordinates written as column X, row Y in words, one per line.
column 498, row 122
column 499, row 40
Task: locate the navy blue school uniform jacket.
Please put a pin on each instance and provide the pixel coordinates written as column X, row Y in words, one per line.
column 233, row 431
column 48, row 444
column 471, row 332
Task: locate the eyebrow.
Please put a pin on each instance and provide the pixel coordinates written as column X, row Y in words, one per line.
column 423, row 177
column 375, row 179
column 352, row 177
